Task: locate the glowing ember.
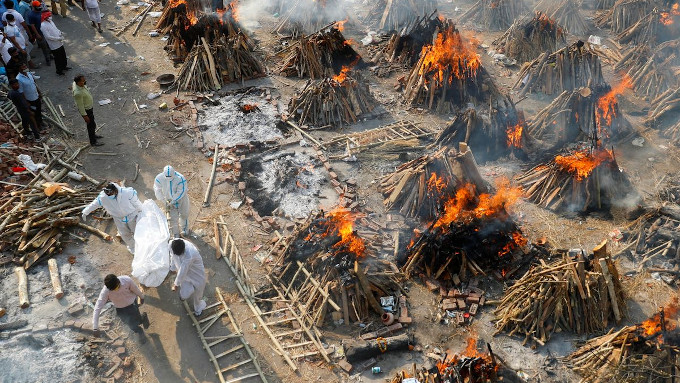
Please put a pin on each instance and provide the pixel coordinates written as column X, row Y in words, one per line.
column 606, row 105
column 340, row 222
column 515, row 135
column 666, row 18
column 249, row 108
column 582, row 163
column 340, row 25
column 450, row 53
column 652, row 326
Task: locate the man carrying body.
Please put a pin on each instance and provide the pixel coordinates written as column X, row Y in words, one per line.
column 171, row 191
column 190, row 273
column 123, row 206
column 123, row 293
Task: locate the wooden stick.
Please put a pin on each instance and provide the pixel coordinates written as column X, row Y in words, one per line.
column 141, row 20
column 610, row 288
column 23, row 287
column 208, row 191
column 54, row 277
column 306, row 134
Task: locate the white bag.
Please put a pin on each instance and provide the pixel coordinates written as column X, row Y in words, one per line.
column 152, row 254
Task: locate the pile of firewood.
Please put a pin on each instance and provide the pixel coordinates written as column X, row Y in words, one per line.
column 569, row 68
column 210, row 66
column 420, row 187
column 528, row 37
column 567, row 15
column 580, row 180
column 640, row 353
column 308, row 16
column 652, row 71
column 624, row 14
column 647, row 30
column 332, row 101
column 316, row 56
column 605, row 4
column 405, row 46
column 394, row 15
column 34, row 217
column 574, row 293
column 494, row 15
column 664, row 106
column 490, row 134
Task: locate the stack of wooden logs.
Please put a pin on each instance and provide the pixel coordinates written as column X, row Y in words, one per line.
column 574, row 293
column 317, row 55
column 332, row 101
column 645, row 31
column 420, row 187
column 624, row 14
column 494, row 15
column 581, row 180
column 487, row 132
column 395, row 15
column 652, row 70
column 605, row 4
column 34, row 217
column 569, row 68
column 308, row 16
column 405, row 46
column 630, row 354
column 567, row 15
column 664, row 106
column 210, row 66
column 528, row 37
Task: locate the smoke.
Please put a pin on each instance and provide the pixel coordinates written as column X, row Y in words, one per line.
column 300, row 11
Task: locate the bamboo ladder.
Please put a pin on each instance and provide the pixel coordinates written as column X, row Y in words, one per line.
column 400, row 130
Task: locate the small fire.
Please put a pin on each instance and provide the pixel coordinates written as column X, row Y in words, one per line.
column 485, row 362
column 652, row 326
column 249, row 108
column 191, row 16
column 515, row 135
column 449, row 51
column 606, row 105
column 341, row 222
column 667, row 17
column 340, row 25
column 342, row 76
column 582, row 163
column 233, row 6
column 436, row 185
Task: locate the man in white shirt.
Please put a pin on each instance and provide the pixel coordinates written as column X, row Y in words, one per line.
column 123, row 293
column 13, row 34
column 190, row 278
column 4, row 49
column 21, row 25
column 55, row 40
column 92, row 8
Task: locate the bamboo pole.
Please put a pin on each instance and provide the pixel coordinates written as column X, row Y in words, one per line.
column 22, row 286
column 54, row 277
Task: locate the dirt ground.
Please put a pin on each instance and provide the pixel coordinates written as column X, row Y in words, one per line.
column 123, row 70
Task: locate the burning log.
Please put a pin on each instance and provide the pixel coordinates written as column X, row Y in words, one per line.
column 394, row 15
column 569, row 68
column 448, row 72
column 307, row 16
column 624, row 14
column 494, row 15
column 652, row 70
column 419, row 188
column 318, row 55
column 582, row 180
column 332, row 101
column 405, row 47
column 473, row 233
column 570, row 294
column 527, row 38
column 567, row 15
column 491, row 136
column 638, row 353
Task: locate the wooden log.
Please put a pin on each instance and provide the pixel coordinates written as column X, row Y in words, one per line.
column 22, row 285
column 357, row 350
column 208, row 191
column 610, row 288
column 366, row 287
column 54, row 277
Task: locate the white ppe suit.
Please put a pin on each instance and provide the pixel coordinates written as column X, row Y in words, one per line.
column 190, row 275
column 171, row 191
column 124, row 208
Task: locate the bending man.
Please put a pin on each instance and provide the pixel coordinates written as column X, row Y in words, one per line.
column 190, row 273
column 123, row 206
column 171, row 191
column 122, row 292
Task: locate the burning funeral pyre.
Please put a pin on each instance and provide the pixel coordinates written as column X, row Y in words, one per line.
column 490, row 136
column 420, row 187
column 332, row 101
column 652, row 71
column 575, row 293
column 645, row 352
column 308, row 16
column 321, row 54
column 527, row 38
column 448, row 74
column 405, row 46
column 494, row 15
column 395, row 15
column 567, row 15
column 569, row 68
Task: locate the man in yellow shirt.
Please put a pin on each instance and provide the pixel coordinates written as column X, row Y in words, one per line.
column 83, row 99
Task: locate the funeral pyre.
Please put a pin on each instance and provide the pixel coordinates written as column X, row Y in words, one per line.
column 567, row 15
column 574, row 293
column 652, row 71
column 569, row 68
column 308, row 16
column 663, row 114
column 494, row 15
column 645, row 352
column 655, row 27
column 448, row 74
column 528, row 37
column 395, row 15
column 624, row 14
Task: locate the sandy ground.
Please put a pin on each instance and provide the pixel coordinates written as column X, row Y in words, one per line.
column 124, row 71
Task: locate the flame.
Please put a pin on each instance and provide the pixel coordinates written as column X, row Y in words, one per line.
column 582, row 163
column 248, row 108
column 470, row 352
column 666, row 18
column 606, row 105
column 233, row 6
column 464, row 206
column 515, row 135
column 340, row 25
column 191, row 16
column 652, row 326
column 450, row 52
column 341, row 222
column 436, row 184
column 342, row 76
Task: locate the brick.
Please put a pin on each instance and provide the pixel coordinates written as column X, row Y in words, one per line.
column 460, row 319
column 344, row 364
column 339, row 190
column 120, row 350
column 350, row 195
column 249, row 201
column 257, row 217
column 472, row 299
column 351, row 182
column 112, row 369
column 116, row 359
column 241, row 186
column 266, row 226
column 354, row 205
column 432, row 285
column 333, row 175
column 118, row 375
column 473, row 309
column 118, row 343
column 76, row 309
column 459, row 294
column 69, row 323
column 481, row 301
column 328, row 166
column 449, row 304
column 461, row 303
column 335, row 183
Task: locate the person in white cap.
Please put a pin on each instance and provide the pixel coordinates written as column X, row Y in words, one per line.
column 123, row 206
column 190, row 277
column 171, row 191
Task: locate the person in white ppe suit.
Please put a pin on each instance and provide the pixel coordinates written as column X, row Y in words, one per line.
column 171, row 191
column 123, row 206
column 190, row 277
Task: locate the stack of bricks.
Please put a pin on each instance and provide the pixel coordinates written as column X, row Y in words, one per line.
column 461, row 304
column 12, row 139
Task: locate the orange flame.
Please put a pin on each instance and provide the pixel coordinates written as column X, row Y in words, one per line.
column 606, row 105
column 234, row 10
column 515, row 135
column 191, row 16
column 436, row 184
column 342, row 76
column 340, row 25
column 652, row 326
column 667, row 17
column 450, row 52
column 582, row 163
column 341, row 221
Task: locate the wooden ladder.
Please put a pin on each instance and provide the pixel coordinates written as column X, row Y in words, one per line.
column 228, row 350
column 400, row 130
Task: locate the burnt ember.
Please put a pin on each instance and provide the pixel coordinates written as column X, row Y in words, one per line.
column 249, row 108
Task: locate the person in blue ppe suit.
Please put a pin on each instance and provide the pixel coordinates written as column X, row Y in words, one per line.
column 123, row 206
column 172, row 192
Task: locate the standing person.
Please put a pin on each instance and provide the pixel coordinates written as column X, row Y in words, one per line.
column 20, row 23
column 123, row 292
column 190, row 273
column 83, row 99
column 171, row 191
column 24, row 110
column 23, row 8
column 13, row 33
column 54, row 39
column 34, row 20
column 123, row 206
column 28, row 87
column 92, row 8
column 62, row 7
column 5, row 46
column 15, row 62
